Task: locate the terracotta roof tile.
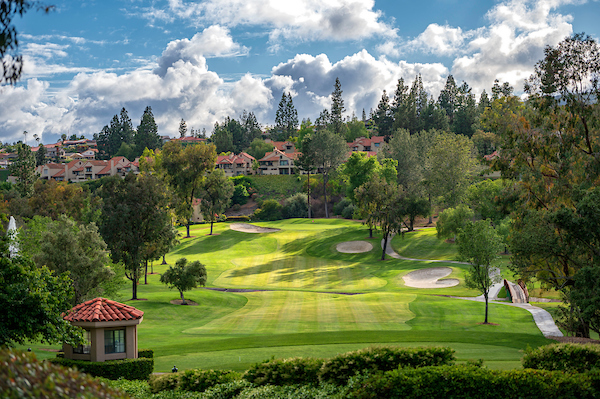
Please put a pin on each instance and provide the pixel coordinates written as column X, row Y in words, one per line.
column 102, row 309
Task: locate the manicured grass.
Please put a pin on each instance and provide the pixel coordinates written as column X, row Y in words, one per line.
column 302, row 306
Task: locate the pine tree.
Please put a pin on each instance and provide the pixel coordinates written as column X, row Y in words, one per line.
column 182, row 128
column 280, row 115
column 40, row 155
column 484, row 102
column 337, row 108
column 291, row 116
column 448, row 98
column 147, row 133
column 126, row 132
column 384, row 116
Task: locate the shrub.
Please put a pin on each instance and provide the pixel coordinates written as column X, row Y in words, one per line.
column 146, row 353
column 162, row 382
column 23, row 376
column 295, row 206
column 131, row 369
column 270, row 210
column 243, row 180
column 348, row 212
column 229, row 390
column 339, row 369
column 285, row 371
column 469, row 382
column 200, row 380
column 564, row 357
column 241, row 218
column 240, row 195
column 236, row 207
column 340, row 206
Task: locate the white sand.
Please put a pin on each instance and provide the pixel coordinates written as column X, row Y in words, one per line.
column 354, row 247
column 430, row 278
column 250, row 228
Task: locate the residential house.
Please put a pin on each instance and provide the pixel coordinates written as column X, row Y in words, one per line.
column 51, row 150
column 364, row 144
column 278, row 162
column 82, row 169
column 283, row 146
column 235, row 165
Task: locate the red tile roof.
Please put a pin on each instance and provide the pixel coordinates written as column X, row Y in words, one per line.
column 102, row 309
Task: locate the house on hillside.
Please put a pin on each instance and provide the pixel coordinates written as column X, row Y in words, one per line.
column 235, row 165
column 364, row 144
column 82, row 169
column 278, row 162
column 283, row 146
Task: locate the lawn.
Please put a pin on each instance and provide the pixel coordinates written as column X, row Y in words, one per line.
column 306, row 299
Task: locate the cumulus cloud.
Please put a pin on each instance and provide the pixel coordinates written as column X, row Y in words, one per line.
column 297, row 20
column 513, row 42
column 439, row 40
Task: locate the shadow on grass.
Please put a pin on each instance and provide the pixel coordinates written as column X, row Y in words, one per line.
column 206, row 244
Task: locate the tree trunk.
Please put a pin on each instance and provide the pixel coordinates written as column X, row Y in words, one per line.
column 188, row 229
column 370, row 231
column 211, row 227
column 146, row 271
column 134, row 280
column 182, row 298
column 325, row 197
column 164, row 262
column 430, row 211
column 385, row 242
column 485, row 295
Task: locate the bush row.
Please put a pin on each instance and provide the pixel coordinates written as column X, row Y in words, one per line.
column 192, row 380
column 339, row 369
column 131, row 369
column 470, row 382
column 565, row 357
column 146, row 353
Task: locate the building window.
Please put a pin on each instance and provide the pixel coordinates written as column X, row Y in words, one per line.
column 283, row 163
column 84, row 349
column 88, row 168
column 114, row 341
column 376, row 144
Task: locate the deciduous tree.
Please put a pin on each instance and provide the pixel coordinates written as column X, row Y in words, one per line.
column 215, row 195
column 184, row 277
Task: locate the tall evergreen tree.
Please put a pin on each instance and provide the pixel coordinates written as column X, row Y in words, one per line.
column 466, row 115
column 484, row 102
column 126, row 132
column 337, row 108
column 448, row 98
column 147, row 133
column 40, row 155
column 384, row 118
column 182, row 128
column 286, row 117
column 23, row 168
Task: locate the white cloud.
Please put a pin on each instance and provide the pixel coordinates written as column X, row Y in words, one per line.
column 438, row 40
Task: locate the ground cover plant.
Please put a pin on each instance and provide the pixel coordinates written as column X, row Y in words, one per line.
column 292, row 294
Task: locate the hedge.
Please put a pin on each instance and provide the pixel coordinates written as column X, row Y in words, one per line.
column 241, row 218
column 470, row 382
column 131, row 369
column 163, row 382
column 200, row 380
column 566, row 357
column 23, row 376
column 146, row 353
column 285, row 372
column 339, row 369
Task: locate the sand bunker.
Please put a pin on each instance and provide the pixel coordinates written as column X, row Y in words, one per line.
column 250, row 228
column 354, row 247
column 430, row 278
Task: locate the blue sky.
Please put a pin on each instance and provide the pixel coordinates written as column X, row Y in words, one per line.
column 205, row 60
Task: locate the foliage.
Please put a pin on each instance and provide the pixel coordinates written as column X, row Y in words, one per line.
column 240, row 195
column 23, row 168
column 184, row 169
column 40, row 155
column 339, row 207
column 356, row 129
column 480, row 245
column 286, row 117
column 111, row 137
column 337, row 109
column 452, row 220
column 131, row 369
column 184, row 277
column 485, row 142
column 147, row 353
column 78, row 250
column 51, row 198
column 134, row 216
column 563, row 357
column 360, row 168
column 258, row 148
column 23, row 376
column 215, row 195
column 483, row 198
column 162, row 382
column 269, row 210
column 146, row 135
column 285, row 371
column 201, row 380
column 384, row 116
column 472, row 382
column 33, row 299
column 339, row 369
column 295, row 206
column 415, row 206
column 348, row 212
column 233, row 135
column 585, row 297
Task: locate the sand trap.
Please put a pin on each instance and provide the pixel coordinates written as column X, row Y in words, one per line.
column 250, row 228
column 354, row 247
column 430, row 278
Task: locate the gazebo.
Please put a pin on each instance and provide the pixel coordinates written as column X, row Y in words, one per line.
column 110, row 330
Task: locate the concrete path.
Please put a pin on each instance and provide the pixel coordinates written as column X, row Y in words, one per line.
column 542, row 318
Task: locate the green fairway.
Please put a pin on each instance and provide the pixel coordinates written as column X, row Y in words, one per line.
column 303, row 298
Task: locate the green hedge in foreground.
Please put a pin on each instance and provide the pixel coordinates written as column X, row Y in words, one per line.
column 131, row 369
column 565, row 357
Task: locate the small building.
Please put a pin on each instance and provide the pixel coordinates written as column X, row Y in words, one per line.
column 110, row 330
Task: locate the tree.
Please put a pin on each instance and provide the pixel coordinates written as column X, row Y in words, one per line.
column 78, row 250
column 215, row 195
column 448, row 98
column 32, row 301
column 306, row 163
column 12, row 61
column 112, row 136
column 258, row 148
column 453, row 163
column 466, row 116
column 356, row 129
column 23, row 168
column 328, row 150
column 337, row 109
column 182, row 128
column 184, row 169
column 480, row 245
column 146, row 135
column 286, row 117
column 51, row 198
column 382, row 204
column 40, row 156
column 184, row 277
column 452, row 220
column 384, row 117
column 134, row 215
column 360, row 168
